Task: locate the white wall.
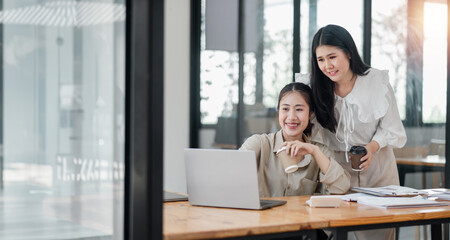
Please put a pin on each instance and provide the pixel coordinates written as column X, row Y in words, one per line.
column 176, row 92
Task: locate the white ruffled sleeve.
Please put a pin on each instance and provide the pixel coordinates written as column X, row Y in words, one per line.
column 370, row 95
column 390, row 130
column 374, row 97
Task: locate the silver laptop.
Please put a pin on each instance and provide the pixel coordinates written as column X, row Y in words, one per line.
column 224, row 178
column 173, row 197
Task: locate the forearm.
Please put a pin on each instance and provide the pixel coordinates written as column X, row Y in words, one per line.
column 337, row 180
column 372, row 147
column 322, row 160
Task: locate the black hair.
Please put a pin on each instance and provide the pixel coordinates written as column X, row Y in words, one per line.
column 322, row 86
column 306, row 93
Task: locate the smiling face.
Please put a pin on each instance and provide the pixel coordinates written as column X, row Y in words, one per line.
column 293, row 116
column 334, row 63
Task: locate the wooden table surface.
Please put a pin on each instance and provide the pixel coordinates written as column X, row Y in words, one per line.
column 183, row 221
column 430, row 160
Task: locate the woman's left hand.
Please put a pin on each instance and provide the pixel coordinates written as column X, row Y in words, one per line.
column 298, row 149
column 371, row 148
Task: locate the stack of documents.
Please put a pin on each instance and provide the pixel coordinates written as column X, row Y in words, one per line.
column 396, row 202
column 390, row 191
column 439, row 193
column 353, row 197
column 398, row 197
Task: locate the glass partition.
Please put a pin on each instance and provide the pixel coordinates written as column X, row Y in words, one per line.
column 348, row 14
column 319, row 13
column 409, row 39
column 434, row 62
column 62, row 145
column 268, row 68
column 388, row 50
column 267, row 65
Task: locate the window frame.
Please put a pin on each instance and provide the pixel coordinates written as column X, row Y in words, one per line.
column 144, row 101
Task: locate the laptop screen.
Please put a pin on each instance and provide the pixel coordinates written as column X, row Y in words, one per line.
column 222, row 178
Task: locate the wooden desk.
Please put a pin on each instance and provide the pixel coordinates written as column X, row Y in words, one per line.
column 183, row 221
column 430, row 163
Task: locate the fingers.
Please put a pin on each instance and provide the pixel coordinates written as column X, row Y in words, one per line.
column 296, row 151
column 293, row 148
column 290, row 148
column 364, row 165
column 297, row 148
column 367, row 159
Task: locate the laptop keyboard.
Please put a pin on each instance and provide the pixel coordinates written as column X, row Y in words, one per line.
column 271, row 203
column 265, row 203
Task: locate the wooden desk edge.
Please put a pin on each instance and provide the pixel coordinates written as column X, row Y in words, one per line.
column 389, row 219
column 397, row 216
column 429, row 160
column 419, row 163
column 243, row 232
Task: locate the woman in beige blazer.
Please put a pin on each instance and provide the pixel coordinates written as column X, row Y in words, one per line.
column 317, row 171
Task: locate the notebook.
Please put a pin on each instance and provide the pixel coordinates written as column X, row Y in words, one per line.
column 224, row 178
column 396, row 202
column 390, row 191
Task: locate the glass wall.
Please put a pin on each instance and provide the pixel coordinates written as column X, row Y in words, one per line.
column 348, row 14
column 389, row 25
column 267, row 65
column 389, row 46
column 62, row 81
column 408, row 38
column 319, row 13
column 434, row 62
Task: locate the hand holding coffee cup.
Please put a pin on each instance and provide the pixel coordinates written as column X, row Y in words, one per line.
column 289, row 164
column 354, row 155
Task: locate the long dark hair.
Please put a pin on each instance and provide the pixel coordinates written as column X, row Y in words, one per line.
column 306, row 93
column 322, row 86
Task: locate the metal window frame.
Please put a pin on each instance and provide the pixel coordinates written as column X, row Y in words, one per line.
column 447, row 126
column 144, row 119
column 367, row 31
column 195, row 120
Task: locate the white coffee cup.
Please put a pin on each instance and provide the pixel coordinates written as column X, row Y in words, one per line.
column 289, row 164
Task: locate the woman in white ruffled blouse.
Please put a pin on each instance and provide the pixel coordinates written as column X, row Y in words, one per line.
column 355, row 105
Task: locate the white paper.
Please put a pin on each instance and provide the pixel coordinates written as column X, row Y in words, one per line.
column 399, row 202
column 353, row 197
column 391, row 190
column 439, row 193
